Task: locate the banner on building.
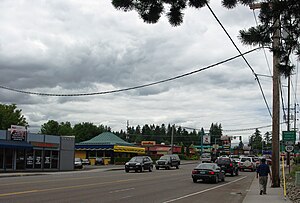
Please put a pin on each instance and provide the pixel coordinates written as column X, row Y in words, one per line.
column 18, row 133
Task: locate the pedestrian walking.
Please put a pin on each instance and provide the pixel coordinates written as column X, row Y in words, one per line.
column 262, row 172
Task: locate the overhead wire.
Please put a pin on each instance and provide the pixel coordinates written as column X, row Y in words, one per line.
column 129, row 88
column 234, row 44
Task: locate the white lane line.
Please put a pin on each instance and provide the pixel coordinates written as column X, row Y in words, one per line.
column 202, row 191
column 122, row 190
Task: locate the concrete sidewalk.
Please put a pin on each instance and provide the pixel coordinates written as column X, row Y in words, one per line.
column 274, row 195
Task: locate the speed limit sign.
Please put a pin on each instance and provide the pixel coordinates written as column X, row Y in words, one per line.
column 289, row 148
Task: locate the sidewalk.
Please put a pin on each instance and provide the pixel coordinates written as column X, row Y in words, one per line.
column 274, row 195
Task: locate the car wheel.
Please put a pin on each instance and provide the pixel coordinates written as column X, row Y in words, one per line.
column 136, row 170
column 177, row 167
column 150, row 168
column 127, row 170
column 223, row 179
column 168, row 167
column 194, row 180
column 157, row 168
column 232, row 173
column 237, row 172
column 216, row 179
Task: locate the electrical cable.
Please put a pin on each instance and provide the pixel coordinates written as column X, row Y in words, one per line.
column 129, row 88
column 256, row 78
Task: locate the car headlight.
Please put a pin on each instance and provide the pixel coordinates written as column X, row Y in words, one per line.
column 138, row 164
column 127, row 164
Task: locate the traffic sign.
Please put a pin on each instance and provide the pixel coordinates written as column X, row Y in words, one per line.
column 289, row 148
column 289, row 143
column 289, row 136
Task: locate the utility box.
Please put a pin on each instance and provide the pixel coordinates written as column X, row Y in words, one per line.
column 297, row 179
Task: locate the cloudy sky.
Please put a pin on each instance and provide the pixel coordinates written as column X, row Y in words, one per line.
column 73, row 46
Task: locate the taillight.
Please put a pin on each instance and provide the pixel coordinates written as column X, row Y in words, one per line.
column 230, row 165
column 211, row 173
column 194, row 172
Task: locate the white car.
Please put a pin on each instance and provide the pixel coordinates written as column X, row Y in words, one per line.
column 78, row 163
column 247, row 163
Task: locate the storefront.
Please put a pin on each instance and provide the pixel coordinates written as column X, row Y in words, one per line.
column 35, row 152
column 107, row 145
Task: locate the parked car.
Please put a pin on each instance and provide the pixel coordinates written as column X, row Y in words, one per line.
column 139, row 164
column 99, row 161
column 78, row 163
column 228, row 165
column 168, row 161
column 208, row 172
column 247, row 163
column 85, row 162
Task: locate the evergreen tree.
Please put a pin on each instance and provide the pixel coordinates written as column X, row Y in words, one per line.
column 10, row 115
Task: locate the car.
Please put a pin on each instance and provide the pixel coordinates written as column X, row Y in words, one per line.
column 247, row 163
column 139, row 164
column 168, row 161
column 228, row 165
column 208, row 172
column 85, row 162
column 206, row 158
column 78, row 163
column 99, row 161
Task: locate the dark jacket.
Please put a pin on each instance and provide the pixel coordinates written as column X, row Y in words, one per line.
column 263, row 169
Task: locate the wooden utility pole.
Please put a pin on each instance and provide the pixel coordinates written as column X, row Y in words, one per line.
column 276, row 107
column 276, row 101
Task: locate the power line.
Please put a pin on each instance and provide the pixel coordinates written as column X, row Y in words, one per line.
column 255, row 75
column 129, row 88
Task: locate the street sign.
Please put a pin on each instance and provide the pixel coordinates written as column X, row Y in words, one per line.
column 289, row 136
column 289, row 148
column 206, row 139
column 289, row 143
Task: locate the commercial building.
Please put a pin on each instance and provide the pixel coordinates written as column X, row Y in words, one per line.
column 107, row 145
column 22, row 151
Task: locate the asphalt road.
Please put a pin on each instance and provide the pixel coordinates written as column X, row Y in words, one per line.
column 117, row 186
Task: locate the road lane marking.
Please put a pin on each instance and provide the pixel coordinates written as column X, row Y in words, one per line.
column 122, row 190
column 202, row 191
column 61, row 188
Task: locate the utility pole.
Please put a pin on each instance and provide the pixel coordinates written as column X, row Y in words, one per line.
column 276, row 101
column 172, row 138
column 276, row 106
column 288, row 120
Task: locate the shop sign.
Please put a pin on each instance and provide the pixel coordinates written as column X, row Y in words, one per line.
column 47, row 160
column 38, row 160
column 44, row 144
column 206, row 139
column 18, row 133
column 148, row 143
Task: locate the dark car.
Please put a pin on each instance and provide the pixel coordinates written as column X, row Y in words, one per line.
column 168, row 161
column 99, row 161
column 85, row 162
column 139, row 164
column 208, row 172
column 228, row 165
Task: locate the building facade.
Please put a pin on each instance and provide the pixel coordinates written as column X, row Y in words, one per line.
column 35, row 152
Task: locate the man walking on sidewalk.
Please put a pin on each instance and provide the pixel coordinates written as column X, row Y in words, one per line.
column 262, row 171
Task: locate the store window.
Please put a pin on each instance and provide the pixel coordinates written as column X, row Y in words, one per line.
column 91, row 154
column 1, row 158
column 20, row 159
column 9, row 158
column 29, row 159
column 47, row 159
column 54, row 160
column 38, row 159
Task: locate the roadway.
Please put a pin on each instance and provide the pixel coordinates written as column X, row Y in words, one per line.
column 117, row 186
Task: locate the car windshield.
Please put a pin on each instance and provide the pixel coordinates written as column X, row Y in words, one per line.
column 245, row 159
column 77, row 159
column 164, row 158
column 205, row 166
column 136, row 159
column 206, row 155
column 223, row 161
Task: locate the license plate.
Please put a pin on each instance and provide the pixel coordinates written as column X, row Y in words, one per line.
column 202, row 172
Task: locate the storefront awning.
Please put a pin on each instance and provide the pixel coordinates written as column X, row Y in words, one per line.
column 94, row 147
column 15, row 144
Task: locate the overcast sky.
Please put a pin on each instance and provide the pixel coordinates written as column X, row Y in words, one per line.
column 73, row 46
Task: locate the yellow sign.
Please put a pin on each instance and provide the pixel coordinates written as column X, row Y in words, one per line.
column 126, row 149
